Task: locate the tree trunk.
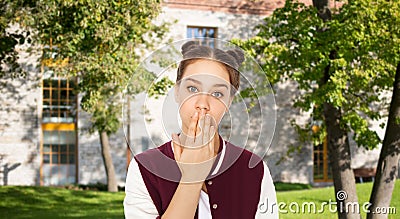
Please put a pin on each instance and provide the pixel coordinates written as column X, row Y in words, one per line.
column 340, row 159
column 323, row 9
column 108, row 163
column 338, row 142
column 386, row 172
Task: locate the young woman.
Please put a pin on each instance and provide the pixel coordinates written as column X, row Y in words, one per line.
column 198, row 174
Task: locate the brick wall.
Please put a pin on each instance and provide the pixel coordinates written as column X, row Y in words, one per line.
column 230, row 6
column 19, row 124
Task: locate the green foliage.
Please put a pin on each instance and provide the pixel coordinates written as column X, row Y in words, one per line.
column 359, row 47
column 265, row 54
column 98, row 42
column 10, row 38
column 160, row 88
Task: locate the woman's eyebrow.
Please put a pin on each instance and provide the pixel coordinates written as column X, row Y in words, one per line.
column 200, row 83
column 193, row 80
column 221, row 85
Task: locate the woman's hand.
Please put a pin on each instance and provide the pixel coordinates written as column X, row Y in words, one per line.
column 194, row 151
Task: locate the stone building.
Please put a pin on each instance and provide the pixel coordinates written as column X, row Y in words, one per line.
column 44, row 138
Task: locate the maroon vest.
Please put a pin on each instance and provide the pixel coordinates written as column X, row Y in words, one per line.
column 233, row 192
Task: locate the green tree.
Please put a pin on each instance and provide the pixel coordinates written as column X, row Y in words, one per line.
column 97, row 42
column 383, row 42
column 343, row 62
column 9, row 40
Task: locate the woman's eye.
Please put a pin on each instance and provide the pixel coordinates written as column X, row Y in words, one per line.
column 217, row 94
column 192, row 89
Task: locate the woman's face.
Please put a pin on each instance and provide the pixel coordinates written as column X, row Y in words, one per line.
column 204, row 88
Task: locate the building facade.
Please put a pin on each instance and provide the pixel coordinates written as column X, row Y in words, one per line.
column 44, row 137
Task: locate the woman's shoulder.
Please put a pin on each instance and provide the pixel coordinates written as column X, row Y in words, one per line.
column 156, row 157
column 153, row 153
column 158, row 162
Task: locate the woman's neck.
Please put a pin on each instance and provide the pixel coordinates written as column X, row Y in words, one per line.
column 216, row 143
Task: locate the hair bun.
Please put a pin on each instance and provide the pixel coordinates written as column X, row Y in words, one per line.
column 188, row 46
column 237, row 54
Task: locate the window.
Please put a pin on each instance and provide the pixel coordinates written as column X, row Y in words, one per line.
column 59, row 101
column 59, row 146
column 59, row 142
column 59, row 157
column 322, row 169
column 201, row 32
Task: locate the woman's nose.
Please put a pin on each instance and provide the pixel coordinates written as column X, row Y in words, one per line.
column 202, row 102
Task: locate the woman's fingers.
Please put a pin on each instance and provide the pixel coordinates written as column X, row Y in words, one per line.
column 195, row 156
column 200, row 130
column 193, row 126
column 206, row 130
column 177, row 146
column 211, row 139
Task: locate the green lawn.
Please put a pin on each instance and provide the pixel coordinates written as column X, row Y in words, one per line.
column 47, row 202
column 321, row 195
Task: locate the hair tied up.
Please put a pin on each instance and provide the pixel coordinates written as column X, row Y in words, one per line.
column 188, row 46
column 238, row 55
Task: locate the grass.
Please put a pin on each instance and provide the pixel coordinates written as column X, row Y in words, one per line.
column 48, row 202
column 324, row 195
column 280, row 186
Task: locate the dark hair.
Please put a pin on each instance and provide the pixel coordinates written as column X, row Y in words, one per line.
column 231, row 59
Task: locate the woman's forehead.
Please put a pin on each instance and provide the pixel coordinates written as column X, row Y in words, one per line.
column 207, row 69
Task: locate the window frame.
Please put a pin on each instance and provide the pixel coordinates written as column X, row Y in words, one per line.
column 210, row 41
column 58, row 125
column 326, row 169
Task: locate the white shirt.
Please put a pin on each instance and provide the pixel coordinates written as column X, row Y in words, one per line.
column 138, row 202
